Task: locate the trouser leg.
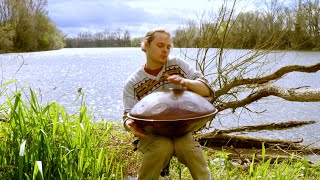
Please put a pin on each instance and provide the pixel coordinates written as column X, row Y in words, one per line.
column 189, row 153
column 157, row 152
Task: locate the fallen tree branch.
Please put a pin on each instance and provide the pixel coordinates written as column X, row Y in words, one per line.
column 221, row 140
column 299, row 95
column 262, row 80
column 267, row 126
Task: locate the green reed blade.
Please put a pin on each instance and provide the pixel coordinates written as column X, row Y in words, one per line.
column 251, row 171
column 263, row 152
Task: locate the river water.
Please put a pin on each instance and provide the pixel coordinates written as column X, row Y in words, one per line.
column 101, row 73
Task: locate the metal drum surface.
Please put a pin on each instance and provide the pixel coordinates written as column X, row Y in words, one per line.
column 173, row 112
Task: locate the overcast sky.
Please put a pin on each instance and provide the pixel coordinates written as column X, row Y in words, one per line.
column 136, row 16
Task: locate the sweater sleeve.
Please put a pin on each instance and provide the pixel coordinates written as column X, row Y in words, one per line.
column 193, row 74
column 128, row 98
column 188, row 69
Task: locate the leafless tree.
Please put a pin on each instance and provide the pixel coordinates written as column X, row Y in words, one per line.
column 232, row 78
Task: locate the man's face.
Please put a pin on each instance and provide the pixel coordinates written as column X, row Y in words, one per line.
column 158, row 50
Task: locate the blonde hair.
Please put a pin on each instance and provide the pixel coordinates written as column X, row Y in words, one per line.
column 150, row 36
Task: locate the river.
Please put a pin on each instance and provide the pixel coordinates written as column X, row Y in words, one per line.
column 101, row 72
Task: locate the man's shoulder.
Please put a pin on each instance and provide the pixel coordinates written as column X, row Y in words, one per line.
column 135, row 76
column 176, row 60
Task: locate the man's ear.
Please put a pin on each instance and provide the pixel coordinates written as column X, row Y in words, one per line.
column 146, row 45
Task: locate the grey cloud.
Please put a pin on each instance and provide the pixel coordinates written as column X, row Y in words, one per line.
column 70, row 15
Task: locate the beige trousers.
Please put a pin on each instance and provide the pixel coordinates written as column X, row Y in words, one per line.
column 158, row 150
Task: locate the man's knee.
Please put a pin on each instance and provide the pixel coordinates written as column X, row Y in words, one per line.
column 185, row 143
column 164, row 146
column 161, row 146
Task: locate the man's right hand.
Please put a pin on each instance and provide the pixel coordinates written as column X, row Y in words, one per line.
column 135, row 129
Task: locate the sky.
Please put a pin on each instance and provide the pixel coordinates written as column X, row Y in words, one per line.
column 136, row 16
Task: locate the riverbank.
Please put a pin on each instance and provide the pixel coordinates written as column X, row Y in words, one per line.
column 47, row 141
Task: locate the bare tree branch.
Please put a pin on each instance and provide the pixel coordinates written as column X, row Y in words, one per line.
column 300, row 95
column 262, row 80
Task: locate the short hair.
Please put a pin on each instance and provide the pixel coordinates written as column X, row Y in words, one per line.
column 150, row 36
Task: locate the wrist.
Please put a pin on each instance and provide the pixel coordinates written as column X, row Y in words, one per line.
column 186, row 83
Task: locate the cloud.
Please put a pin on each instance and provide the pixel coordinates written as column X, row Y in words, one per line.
column 136, row 16
column 74, row 16
column 71, row 13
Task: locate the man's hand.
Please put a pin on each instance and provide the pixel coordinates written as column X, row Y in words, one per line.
column 135, row 129
column 177, row 79
column 192, row 85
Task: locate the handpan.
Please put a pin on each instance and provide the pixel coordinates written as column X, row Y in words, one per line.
column 172, row 112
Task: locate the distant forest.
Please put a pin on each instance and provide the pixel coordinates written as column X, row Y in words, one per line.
column 278, row 26
column 294, row 26
column 118, row 38
column 25, row 26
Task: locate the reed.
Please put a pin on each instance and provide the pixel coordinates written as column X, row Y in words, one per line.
column 46, row 142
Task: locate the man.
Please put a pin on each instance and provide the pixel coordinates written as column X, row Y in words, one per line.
column 157, row 74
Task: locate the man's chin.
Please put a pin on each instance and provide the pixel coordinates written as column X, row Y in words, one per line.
column 163, row 60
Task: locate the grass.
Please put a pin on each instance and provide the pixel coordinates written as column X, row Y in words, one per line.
column 46, row 142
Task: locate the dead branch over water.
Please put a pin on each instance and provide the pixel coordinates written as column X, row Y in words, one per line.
column 293, row 94
column 243, row 146
column 267, row 126
column 262, row 80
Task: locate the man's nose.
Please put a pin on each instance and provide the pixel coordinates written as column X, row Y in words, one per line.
column 165, row 50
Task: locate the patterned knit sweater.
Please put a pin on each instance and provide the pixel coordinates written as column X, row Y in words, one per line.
column 140, row 83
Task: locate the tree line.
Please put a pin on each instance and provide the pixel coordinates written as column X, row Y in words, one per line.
column 106, row 38
column 295, row 25
column 276, row 26
column 25, row 26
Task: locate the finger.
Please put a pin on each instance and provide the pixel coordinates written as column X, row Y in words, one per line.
column 141, row 134
column 175, row 79
column 166, row 75
column 131, row 123
column 172, row 77
column 136, row 130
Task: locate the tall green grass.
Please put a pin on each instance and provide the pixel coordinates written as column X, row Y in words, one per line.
column 45, row 142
